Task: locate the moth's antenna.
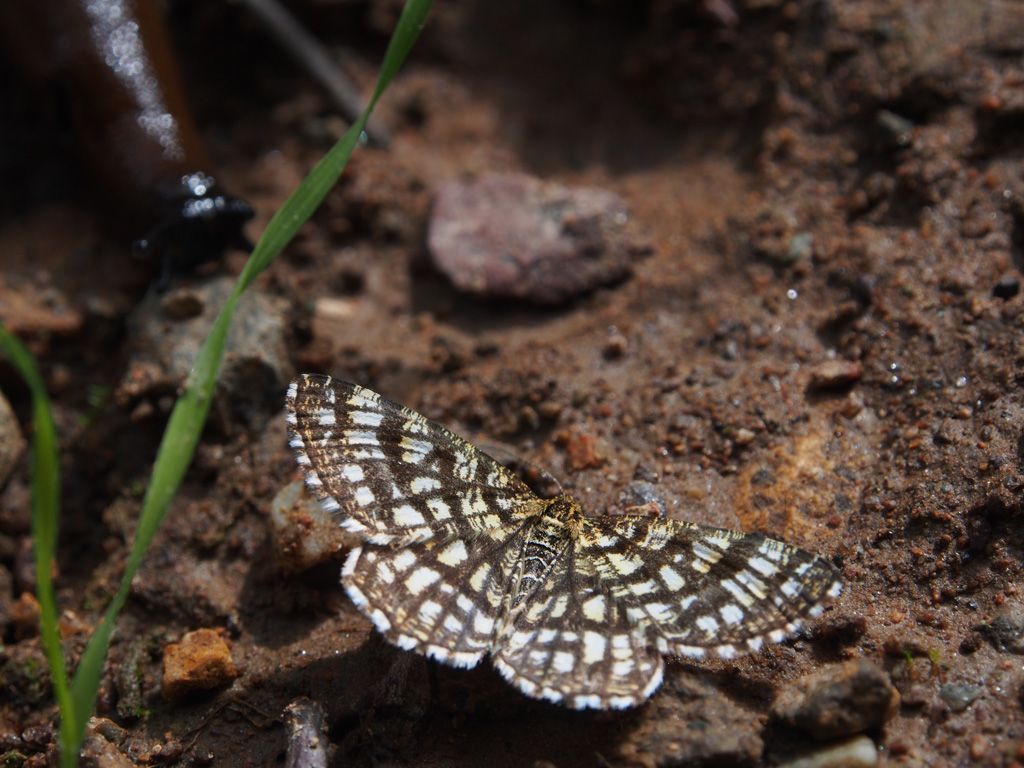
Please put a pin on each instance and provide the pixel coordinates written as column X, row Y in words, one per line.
column 516, row 459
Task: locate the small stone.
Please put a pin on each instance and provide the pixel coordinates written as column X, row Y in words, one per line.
column 581, row 449
column 896, row 128
column 25, row 615
column 515, row 236
column 304, row 533
column 200, row 662
column 858, row 752
column 12, row 444
column 38, row 737
column 979, row 746
column 1006, row 629
column 839, row 700
column 800, row 247
column 615, row 345
column 959, row 696
column 834, row 374
column 108, row 729
column 101, row 748
column 168, row 753
column 744, row 436
column 332, row 310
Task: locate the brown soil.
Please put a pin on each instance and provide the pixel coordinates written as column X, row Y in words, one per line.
column 822, row 181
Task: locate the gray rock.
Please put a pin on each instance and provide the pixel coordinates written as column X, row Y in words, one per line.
column 166, row 333
column 839, row 700
column 959, row 696
column 1006, row 629
column 515, row 236
column 12, row 444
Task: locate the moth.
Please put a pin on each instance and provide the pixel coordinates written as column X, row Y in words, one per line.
column 461, row 560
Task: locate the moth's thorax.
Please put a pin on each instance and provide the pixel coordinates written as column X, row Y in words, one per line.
column 547, row 538
column 567, row 511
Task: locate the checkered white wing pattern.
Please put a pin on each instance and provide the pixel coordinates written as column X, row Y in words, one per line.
column 460, row 560
column 696, row 590
column 394, row 476
column 444, row 599
column 573, row 643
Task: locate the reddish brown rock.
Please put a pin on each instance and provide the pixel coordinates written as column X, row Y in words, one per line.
column 581, row 449
column 515, row 236
column 200, row 662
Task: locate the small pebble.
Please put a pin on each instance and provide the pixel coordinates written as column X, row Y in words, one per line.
column 979, row 746
column 959, row 696
column 37, row 736
column 581, row 449
column 800, row 247
column 896, row 128
column 101, row 748
column 834, row 374
column 1006, row 629
column 744, row 436
column 858, row 752
column 200, row 661
column 615, row 345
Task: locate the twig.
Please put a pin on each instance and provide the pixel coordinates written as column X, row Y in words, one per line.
column 312, row 56
column 308, row 746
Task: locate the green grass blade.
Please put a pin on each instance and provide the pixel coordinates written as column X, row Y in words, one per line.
column 186, row 422
column 45, row 512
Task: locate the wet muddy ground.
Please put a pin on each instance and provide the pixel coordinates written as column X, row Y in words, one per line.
column 820, row 340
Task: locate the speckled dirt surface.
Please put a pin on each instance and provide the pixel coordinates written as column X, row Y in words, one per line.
column 825, row 344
